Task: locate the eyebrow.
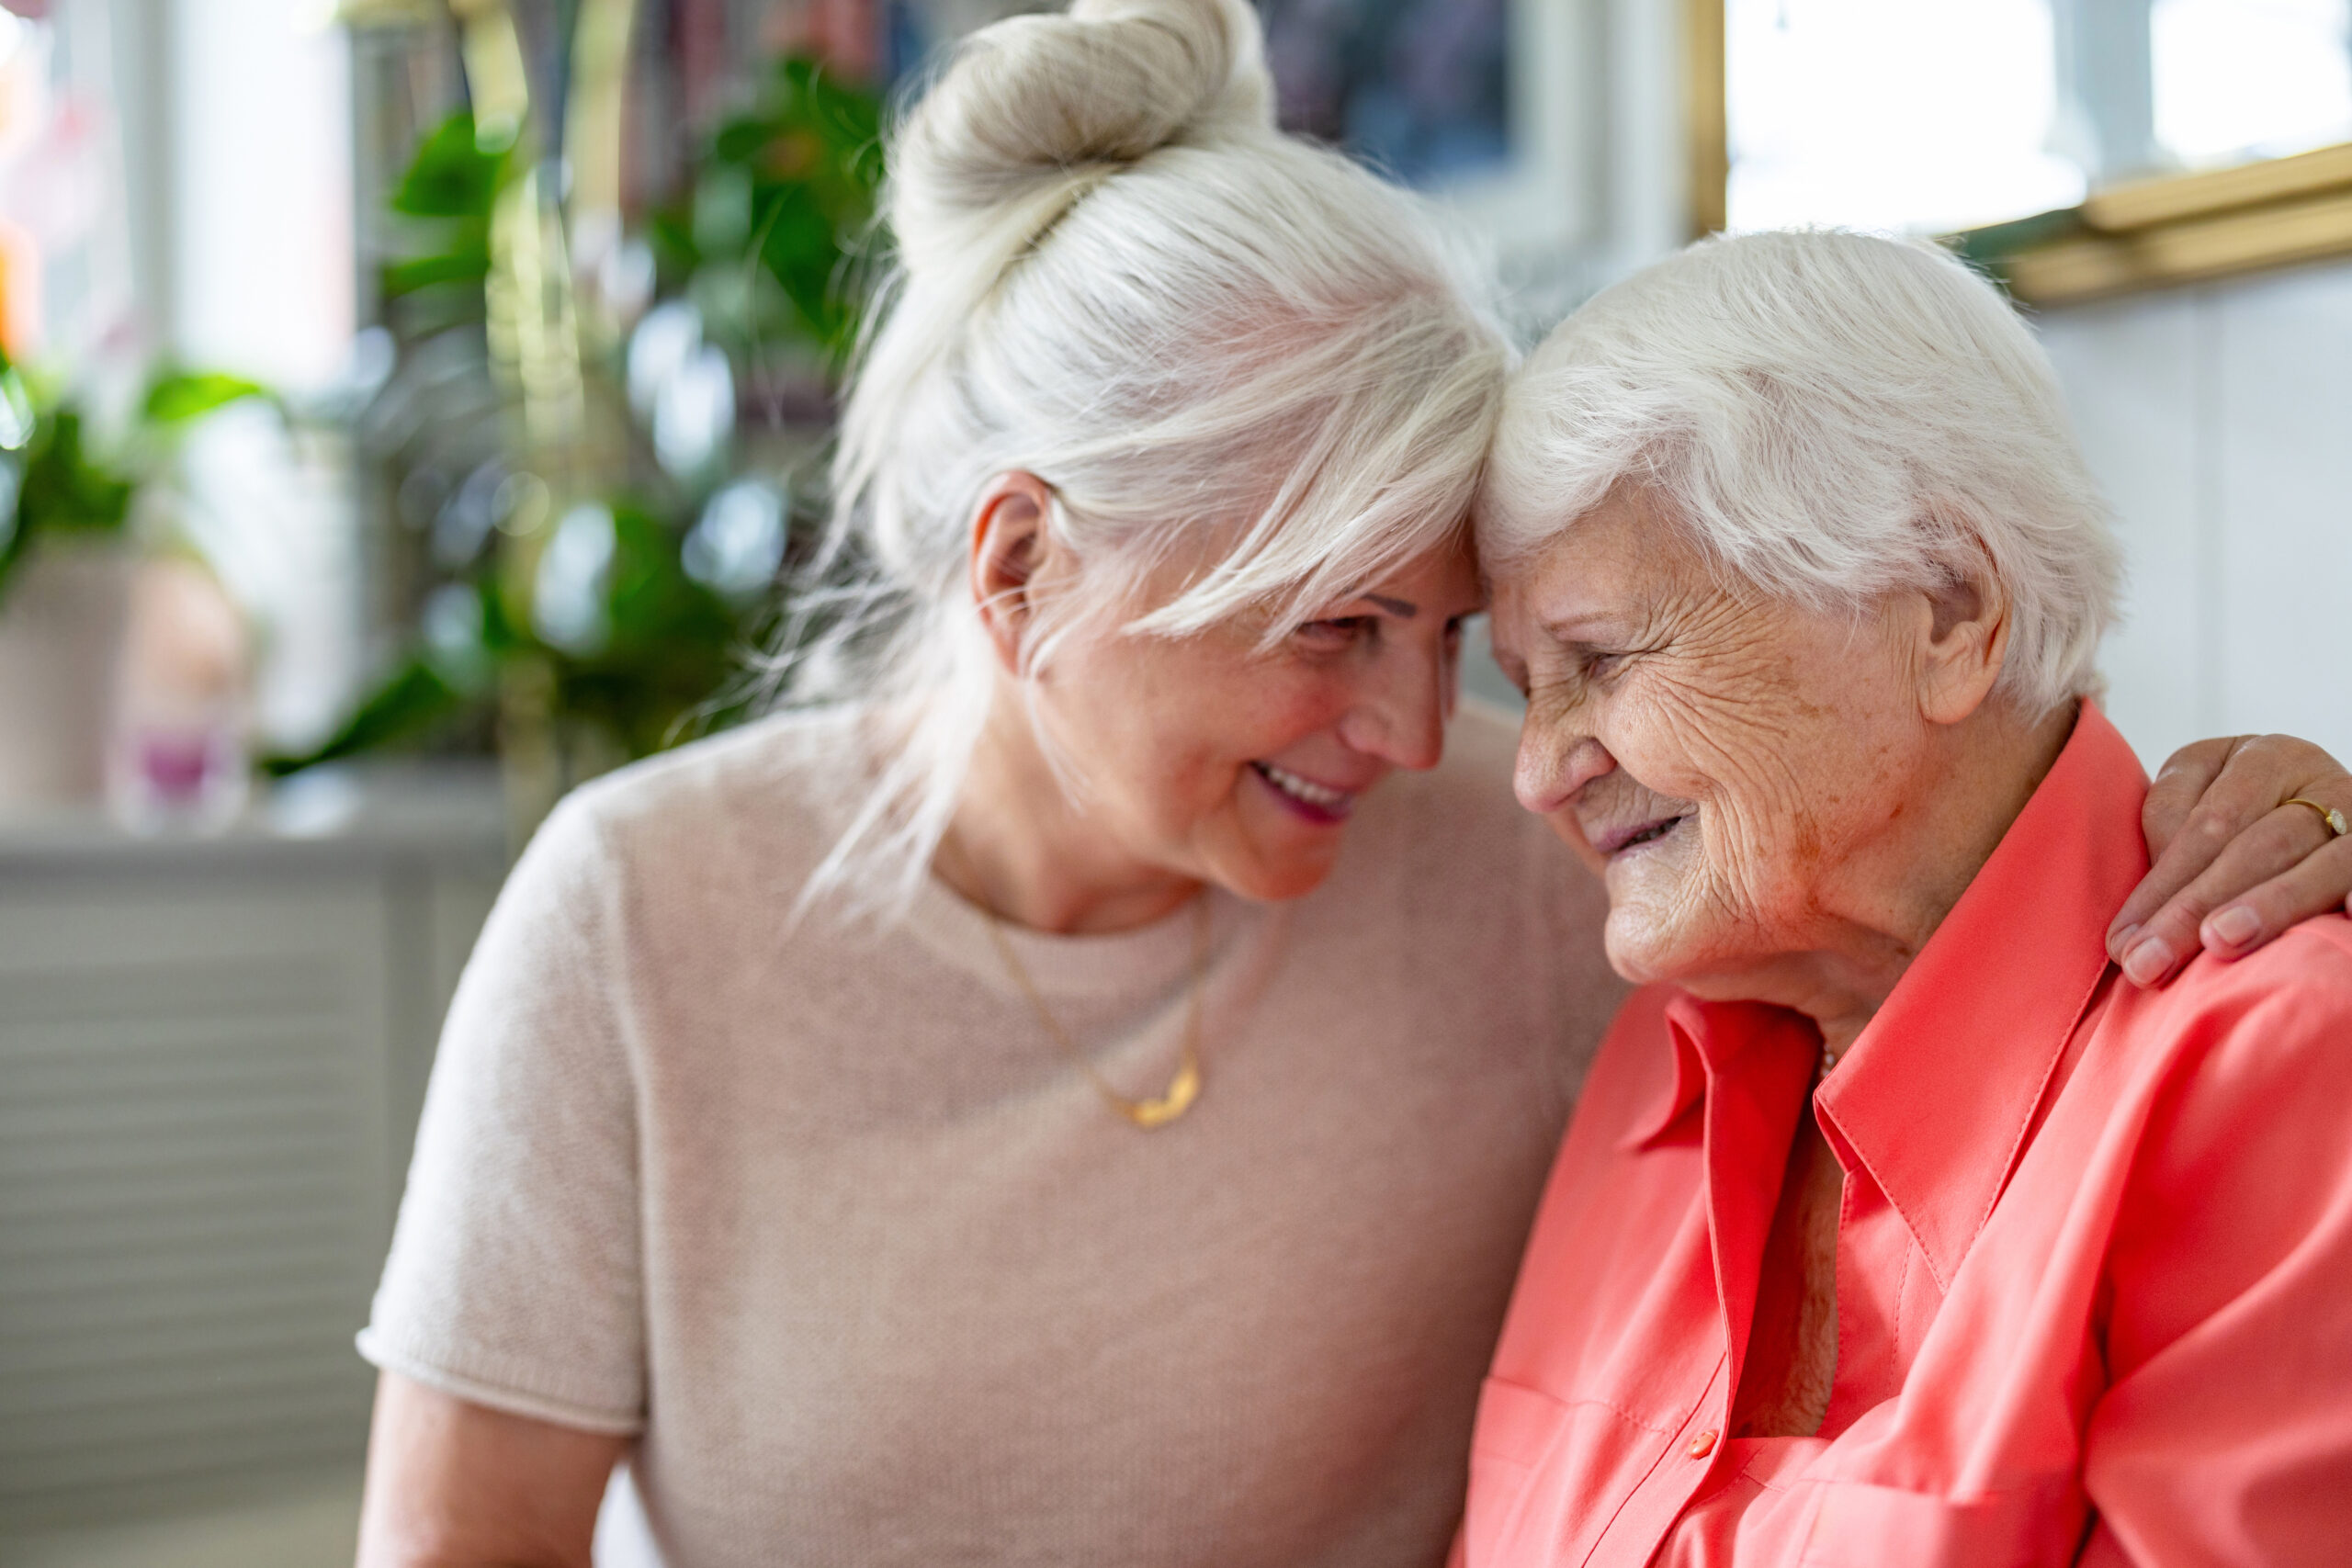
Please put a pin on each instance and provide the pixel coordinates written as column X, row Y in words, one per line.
column 1403, row 609
column 1609, row 626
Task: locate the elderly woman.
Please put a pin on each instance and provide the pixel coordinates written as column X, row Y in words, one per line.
column 1892, row 1228
column 1073, row 1091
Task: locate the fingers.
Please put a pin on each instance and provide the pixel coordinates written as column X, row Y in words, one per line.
column 2318, row 884
column 2286, row 867
column 2221, row 836
column 2202, row 799
column 2179, row 784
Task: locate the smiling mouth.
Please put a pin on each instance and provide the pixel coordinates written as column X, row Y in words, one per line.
column 1618, row 841
column 1318, row 803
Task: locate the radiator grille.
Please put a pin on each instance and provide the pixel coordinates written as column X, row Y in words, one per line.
column 192, row 1186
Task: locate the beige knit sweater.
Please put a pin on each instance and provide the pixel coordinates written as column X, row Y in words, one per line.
column 827, row 1221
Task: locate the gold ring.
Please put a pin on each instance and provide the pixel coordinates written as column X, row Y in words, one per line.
column 2327, row 814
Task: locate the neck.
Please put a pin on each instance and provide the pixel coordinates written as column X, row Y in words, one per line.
column 1895, row 886
column 1020, row 848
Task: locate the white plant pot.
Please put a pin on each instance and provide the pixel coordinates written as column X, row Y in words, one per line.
column 61, row 637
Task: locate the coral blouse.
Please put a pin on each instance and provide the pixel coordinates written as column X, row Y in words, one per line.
column 2094, row 1285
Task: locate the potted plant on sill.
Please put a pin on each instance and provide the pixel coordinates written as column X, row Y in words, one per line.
column 68, row 520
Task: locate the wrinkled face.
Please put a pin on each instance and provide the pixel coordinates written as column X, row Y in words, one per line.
column 1212, row 759
column 1723, row 759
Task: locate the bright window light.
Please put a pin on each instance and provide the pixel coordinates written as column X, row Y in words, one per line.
column 1912, row 115
column 2237, row 79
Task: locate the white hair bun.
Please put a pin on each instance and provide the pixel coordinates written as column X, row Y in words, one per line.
column 1034, row 112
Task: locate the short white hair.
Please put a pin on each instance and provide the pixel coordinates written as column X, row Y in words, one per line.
column 1834, row 417
column 1215, row 342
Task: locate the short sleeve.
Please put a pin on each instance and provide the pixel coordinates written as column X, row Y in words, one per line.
column 515, row 1275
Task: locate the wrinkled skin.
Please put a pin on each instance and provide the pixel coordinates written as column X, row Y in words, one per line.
column 1783, row 802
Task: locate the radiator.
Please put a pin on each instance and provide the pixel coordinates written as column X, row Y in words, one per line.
column 205, row 1099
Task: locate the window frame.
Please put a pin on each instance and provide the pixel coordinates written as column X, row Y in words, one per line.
column 2126, row 238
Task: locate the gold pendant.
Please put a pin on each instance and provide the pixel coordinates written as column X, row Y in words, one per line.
column 1184, row 1088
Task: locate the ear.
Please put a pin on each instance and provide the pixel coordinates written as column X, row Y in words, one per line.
column 1010, row 546
column 1962, row 628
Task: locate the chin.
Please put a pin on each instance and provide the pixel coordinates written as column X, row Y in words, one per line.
column 1277, row 880
column 1270, row 867
column 1645, row 946
column 1261, row 853
column 1629, row 956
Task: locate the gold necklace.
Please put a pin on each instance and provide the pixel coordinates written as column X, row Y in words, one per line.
column 1184, row 1087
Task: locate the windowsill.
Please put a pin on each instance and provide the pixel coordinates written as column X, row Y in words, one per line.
column 437, row 813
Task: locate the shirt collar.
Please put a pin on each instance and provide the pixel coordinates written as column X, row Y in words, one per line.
column 1710, row 1040
column 1935, row 1097
column 1685, row 1027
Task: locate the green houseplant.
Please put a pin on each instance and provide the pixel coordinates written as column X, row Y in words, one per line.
column 55, row 489
column 70, row 535
column 590, row 580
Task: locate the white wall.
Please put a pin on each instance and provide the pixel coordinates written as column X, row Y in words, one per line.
column 2220, row 420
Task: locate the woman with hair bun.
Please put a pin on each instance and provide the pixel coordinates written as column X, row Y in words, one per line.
column 1034, row 1100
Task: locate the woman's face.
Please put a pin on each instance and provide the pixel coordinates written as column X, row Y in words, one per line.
column 1725, row 760
column 1210, row 758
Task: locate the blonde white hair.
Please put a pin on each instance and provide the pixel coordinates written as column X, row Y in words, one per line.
column 1833, row 417
column 1210, row 341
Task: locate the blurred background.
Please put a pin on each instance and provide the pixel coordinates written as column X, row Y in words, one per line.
column 408, row 408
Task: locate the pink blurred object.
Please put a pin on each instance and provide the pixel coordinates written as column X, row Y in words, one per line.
column 178, row 760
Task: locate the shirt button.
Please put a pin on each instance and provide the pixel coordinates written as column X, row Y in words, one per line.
column 1702, row 1445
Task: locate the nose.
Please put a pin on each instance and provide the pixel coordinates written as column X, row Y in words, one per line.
column 1554, row 762
column 1400, row 715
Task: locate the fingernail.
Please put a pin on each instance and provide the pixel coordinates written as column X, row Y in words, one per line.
column 2120, row 942
column 2236, row 925
column 2146, row 964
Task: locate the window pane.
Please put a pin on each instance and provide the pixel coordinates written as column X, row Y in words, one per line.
column 2237, row 79
column 1914, row 115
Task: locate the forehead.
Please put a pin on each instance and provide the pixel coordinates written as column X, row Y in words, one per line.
column 1613, row 556
column 1446, row 578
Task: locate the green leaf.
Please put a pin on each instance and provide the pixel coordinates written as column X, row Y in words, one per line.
column 411, row 700
column 674, row 644
column 466, row 262
column 65, row 490
column 810, row 151
column 18, row 417
column 451, row 175
column 177, row 398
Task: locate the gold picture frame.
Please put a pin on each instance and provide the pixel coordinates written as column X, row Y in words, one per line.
column 1706, row 137
column 2181, row 229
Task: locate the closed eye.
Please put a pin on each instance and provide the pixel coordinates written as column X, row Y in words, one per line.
column 1605, row 664
column 1338, row 632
